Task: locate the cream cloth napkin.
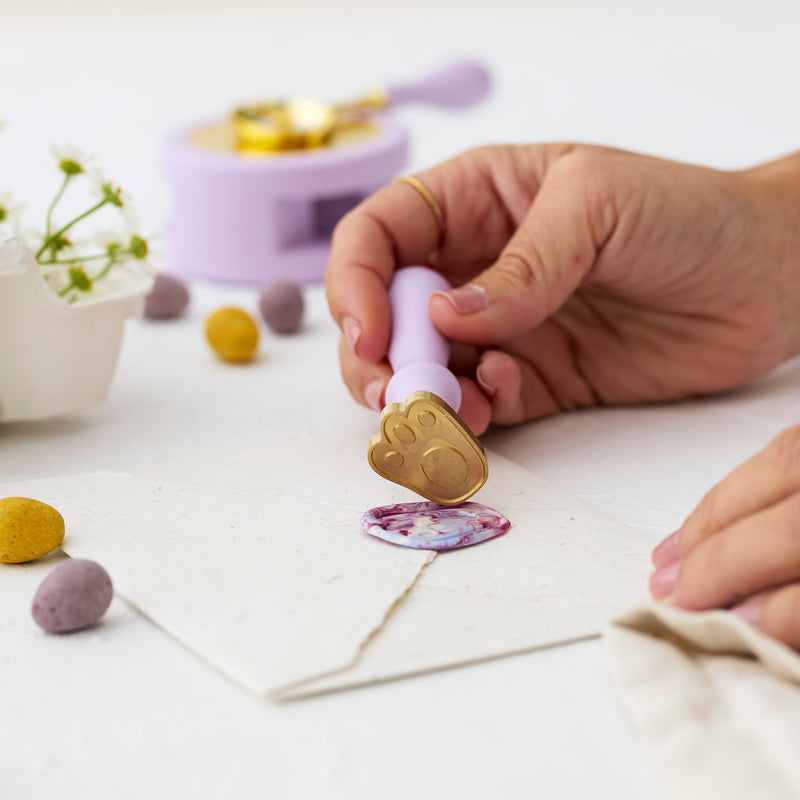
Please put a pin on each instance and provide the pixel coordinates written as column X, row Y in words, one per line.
column 716, row 702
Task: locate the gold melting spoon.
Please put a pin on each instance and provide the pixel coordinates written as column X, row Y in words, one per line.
column 303, row 123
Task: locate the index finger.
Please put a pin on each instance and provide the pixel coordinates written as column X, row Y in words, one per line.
column 482, row 194
column 764, row 480
column 392, row 228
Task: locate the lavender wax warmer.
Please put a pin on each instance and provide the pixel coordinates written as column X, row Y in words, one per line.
column 256, row 196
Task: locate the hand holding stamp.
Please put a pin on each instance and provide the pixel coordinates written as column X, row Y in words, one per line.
column 423, row 444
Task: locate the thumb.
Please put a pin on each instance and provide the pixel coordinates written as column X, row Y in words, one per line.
column 548, row 256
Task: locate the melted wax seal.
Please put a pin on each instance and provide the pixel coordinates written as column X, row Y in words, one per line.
column 432, row 526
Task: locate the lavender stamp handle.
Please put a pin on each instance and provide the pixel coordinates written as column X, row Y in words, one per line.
column 458, row 84
column 418, row 353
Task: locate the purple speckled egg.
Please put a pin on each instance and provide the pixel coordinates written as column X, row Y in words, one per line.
column 282, row 306
column 74, row 595
column 167, row 299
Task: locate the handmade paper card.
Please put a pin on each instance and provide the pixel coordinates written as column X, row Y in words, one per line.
column 276, row 585
column 269, row 587
column 562, row 570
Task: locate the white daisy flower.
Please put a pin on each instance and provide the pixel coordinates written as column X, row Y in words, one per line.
column 71, row 160
column 106, row 239
column 104, row 187
column 156, row 255
column 10, row 213
column 143, row 254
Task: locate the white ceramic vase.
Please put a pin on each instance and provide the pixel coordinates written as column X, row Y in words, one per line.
column 56, row 357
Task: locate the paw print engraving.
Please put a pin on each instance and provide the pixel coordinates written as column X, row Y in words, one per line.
column 423, row 445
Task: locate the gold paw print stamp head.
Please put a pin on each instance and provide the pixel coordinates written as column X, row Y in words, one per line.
column 423, row 445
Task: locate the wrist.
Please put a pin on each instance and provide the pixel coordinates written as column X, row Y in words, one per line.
column 774, row 189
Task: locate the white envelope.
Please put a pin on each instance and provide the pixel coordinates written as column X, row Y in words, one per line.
column 274, row 584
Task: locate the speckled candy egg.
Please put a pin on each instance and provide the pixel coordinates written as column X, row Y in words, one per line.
column 74, row 595
column 29, row 529
column 232, row 334
column 167, row 299
column 281, row 306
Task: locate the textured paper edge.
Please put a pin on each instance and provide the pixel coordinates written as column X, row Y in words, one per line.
column 223, row 666
column 300, row 689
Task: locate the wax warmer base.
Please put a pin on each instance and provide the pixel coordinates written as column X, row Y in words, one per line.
column 240, row 218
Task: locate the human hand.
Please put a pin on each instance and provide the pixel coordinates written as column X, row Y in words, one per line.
column 741, row 546
column 584, row 276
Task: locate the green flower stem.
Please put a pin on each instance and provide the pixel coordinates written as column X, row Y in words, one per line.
column 81, row 259
column 67, row 289
column 50, row 239
column 73, row 284
column 49, row 218
column 103, row 272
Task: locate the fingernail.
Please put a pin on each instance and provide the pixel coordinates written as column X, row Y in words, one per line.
column 352, row 333
column 750, row 611
column 666, row 553
column 662, row 581
column 467, row 299
column 372, row 394
column 483, row 383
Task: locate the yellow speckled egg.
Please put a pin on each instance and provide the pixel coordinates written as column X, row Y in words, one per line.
column 29, row 529
column 232, row 334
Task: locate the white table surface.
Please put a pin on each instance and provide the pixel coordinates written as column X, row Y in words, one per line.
column 122, row 710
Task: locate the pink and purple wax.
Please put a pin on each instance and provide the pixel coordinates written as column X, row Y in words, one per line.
column 433, row 526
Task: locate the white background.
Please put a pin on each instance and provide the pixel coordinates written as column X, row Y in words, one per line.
column 121, row 711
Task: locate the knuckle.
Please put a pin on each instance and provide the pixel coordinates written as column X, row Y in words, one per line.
column 716, row 573
column 706, row 513
column 522, row 270
column 466, row 163
column 784, row 450
column 580, row 164
column 698, row 583
column 517, row 268
column 484, row 152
